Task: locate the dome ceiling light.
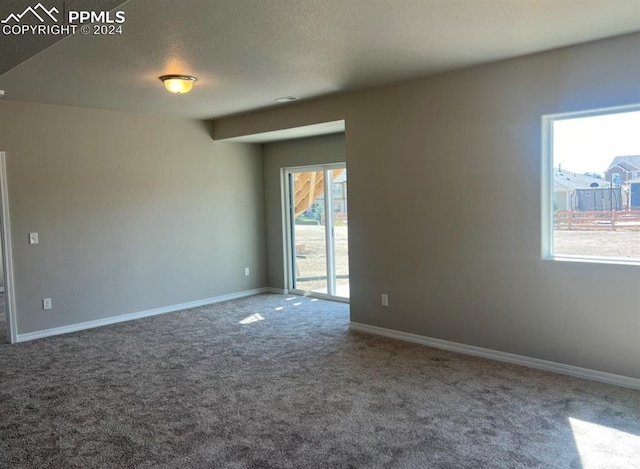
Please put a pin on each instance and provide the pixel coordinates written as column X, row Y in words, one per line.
column 178, row 84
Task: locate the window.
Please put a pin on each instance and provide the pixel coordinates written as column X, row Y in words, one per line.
column 591, row 203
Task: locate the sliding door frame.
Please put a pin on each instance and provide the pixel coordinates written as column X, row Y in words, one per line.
column 289, row 227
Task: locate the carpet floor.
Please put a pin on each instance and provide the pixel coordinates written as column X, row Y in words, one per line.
column 276, row 381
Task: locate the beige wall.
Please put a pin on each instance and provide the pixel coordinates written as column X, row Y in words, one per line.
column 134, row 212
column 464, row 265
column 300, row 152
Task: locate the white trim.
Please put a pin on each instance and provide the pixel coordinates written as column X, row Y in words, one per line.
column 570, row 370
column 594, row 260
column 329, row 232
column 595, row 112
column 546, row 187
column 1, row 289
column 319, row 295
column 287, row 261
column 7, row 258
column 277, row 291
column 316, row 167
column 141, row 314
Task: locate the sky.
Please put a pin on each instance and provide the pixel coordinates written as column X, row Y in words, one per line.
column 588, row 144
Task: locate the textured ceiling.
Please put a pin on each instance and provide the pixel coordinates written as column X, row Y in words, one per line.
column 246, row 53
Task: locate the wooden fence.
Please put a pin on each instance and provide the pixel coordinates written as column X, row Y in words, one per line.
column 573, row 220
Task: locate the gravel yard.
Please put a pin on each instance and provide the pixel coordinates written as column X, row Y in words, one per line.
column 311, row 256
column 620, row 244
column 311, row 253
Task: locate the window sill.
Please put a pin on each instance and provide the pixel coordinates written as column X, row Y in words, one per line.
column 593, row 260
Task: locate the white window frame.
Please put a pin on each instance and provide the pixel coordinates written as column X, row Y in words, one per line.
column 547, row 186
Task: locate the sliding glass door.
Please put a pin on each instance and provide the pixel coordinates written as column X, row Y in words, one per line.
column 309, row 234
column 317, row 230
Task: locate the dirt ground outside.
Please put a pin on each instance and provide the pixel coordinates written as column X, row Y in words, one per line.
column 311, row 257
column 619, row 244
column 311, row 253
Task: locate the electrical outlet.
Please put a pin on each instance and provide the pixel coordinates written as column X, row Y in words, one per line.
column 246, row 271
column 33, row 238
column 385, row 299
column 46, row 303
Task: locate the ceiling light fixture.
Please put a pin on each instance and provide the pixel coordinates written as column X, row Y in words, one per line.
column 178, row 84
column 286, row 99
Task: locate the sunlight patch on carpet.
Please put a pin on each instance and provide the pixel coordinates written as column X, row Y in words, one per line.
column 251, row 319
column 600, row 446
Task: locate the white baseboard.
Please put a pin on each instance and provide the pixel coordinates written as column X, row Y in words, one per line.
column 537, row 363
column 1, row 289
column 277, row 291
column 141, row 314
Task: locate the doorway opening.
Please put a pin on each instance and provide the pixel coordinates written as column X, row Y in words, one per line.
column 316, row 214
column 8, row 325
